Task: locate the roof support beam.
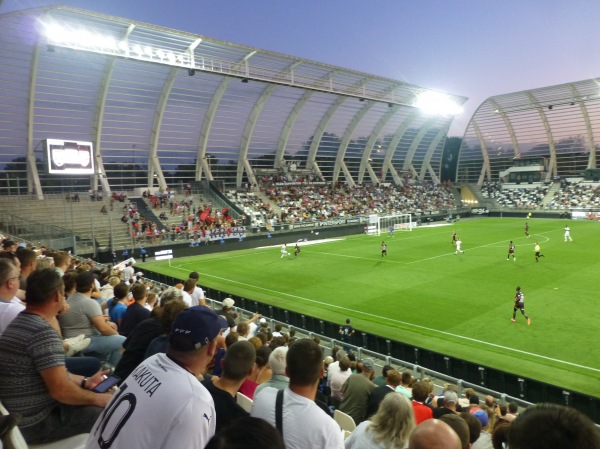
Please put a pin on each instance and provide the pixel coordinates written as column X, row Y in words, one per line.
column 391, row 148
column 341, row 154
column 33, row 177
column 552, row 164
column 364, row 163
column 251, row 123
column 485, row 169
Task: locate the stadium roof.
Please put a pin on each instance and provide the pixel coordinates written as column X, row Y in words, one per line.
column 163, row 106
column 557, row 125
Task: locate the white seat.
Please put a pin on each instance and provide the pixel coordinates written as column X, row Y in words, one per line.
column 345, row 421
column 15, row 440
column 244, row 401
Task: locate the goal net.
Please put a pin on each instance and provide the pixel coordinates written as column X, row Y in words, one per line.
column 387, row 224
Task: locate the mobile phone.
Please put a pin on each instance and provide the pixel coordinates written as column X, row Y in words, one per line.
column 106, row 384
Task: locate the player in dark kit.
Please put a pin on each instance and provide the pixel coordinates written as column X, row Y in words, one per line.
column 520, row 305
column 383, row 249
column 511, row 251
column 527, row 229
column 296, row 250
column 453, row 241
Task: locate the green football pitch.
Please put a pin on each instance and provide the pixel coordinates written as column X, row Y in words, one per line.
column 424, row 294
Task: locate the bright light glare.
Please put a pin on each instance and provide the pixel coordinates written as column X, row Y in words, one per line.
column 435, row 103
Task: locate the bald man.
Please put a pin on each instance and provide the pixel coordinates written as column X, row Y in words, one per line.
column 434, row 434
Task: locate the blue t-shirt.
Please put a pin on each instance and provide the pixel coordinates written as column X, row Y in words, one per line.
column 117, row 312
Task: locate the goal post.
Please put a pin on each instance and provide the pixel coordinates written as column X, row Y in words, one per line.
column 398, row 222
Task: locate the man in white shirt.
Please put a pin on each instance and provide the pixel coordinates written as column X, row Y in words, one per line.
column 162, row 404
column 198, row 297
column 9, row 285
column 304, row 424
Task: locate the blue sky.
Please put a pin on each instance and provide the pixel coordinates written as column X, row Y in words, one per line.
column 473, row 48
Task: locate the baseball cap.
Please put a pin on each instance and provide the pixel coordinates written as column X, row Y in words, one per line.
column 194, row 327
column 262, row 320
column 228, row 302
column 482, row 416
column 369, row 364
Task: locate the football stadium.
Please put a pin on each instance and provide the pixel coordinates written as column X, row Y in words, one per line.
column 324, row 203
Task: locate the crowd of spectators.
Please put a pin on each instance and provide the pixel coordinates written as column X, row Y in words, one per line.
column 288, row 203
column 65, row 323
column 515, row 198
column 576, row 196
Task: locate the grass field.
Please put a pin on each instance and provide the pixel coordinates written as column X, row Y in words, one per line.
column 424, row 294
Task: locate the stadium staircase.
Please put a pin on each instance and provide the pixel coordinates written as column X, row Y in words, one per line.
column 146, row 212
column 555, row 187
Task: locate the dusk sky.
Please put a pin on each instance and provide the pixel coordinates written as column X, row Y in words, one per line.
column 472, row 48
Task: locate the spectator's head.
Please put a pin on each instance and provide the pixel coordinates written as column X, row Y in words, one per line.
column 393, row 378
column 256, row 342
column 193, row 337
column 121, row 291
column 385, row 370
column 28, row 259
column 474, row 400
column 304, row 363
column 243, row 329
column 420, row 391
column 231, row 338
column 500, row 436
column 62, row 260
column 433, row 433
column 84, row 282
column 262, row 356
column 450, row 399
column 228, row 304
column 553, row 426
column 277, row 360
column 406, row 378
column 45, row 287
column 139, row 292
column 247, row 432
column 190, row 285
column 9, row 280
column 368, row 367
column 513, row 408
column 474, row 425
column 170, row 294
column 344, row 364
column 238, row 361
column 69, row 280
column 168, row 314
column 194, row 275
column 461, row 428
column 9, row 246
column 7, row 255
column 278, row 327
column 113, row 281
column 394, row 421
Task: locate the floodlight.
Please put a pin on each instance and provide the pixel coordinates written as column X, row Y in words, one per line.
column 437, row 103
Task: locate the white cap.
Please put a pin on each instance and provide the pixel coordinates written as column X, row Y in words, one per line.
column 228, row 302
column 262, row 320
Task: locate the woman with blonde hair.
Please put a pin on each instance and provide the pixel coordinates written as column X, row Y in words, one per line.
column 389, row 428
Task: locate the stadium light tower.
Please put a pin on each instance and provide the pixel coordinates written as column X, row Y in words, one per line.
column 436, row 103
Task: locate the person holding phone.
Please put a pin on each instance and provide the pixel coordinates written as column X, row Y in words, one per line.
column 34, row 382
column 167, row 383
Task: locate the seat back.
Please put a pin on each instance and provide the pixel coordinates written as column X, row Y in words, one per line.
column 244, row 401
column 345, row 421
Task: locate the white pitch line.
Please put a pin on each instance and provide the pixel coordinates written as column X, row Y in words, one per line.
column 404, row 323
